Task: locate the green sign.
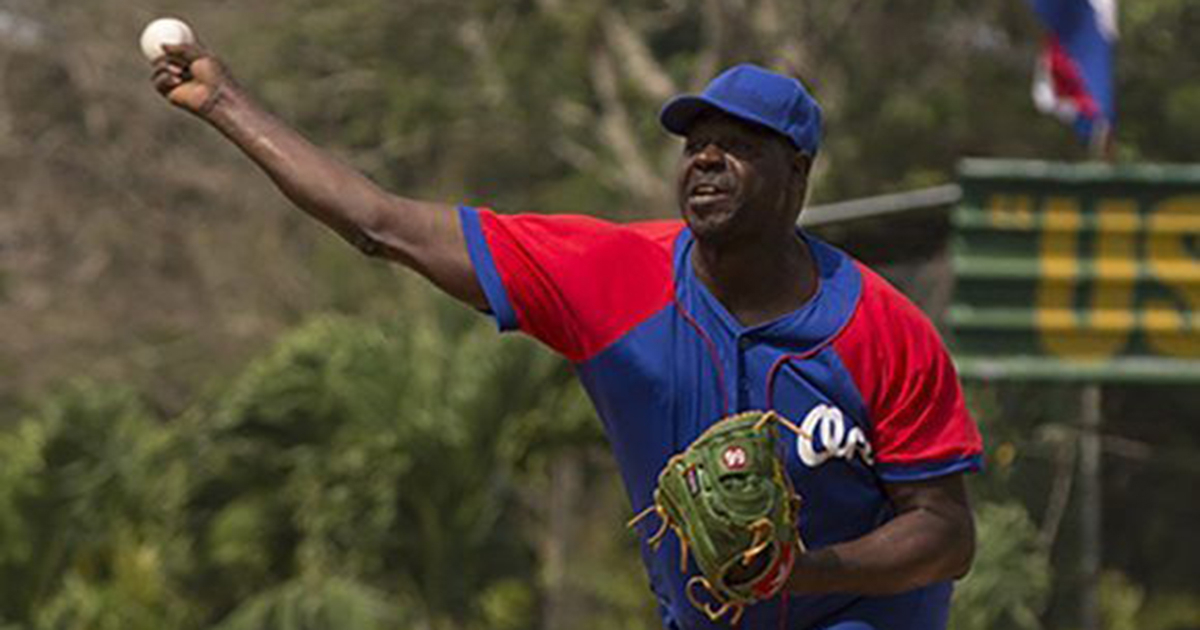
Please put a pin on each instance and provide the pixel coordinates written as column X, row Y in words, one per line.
column 1077, row 272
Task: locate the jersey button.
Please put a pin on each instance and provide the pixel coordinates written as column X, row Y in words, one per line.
column 745, row 343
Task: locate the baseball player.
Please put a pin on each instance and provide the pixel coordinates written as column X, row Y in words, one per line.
column 674, row 324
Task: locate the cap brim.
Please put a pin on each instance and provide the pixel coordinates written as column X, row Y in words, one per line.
column 680, row 112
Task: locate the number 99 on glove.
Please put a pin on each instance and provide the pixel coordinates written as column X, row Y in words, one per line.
column 729, row 501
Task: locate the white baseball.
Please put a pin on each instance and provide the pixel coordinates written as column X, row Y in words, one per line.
column 164, row 31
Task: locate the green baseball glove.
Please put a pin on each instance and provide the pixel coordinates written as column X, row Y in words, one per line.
column 731, row 503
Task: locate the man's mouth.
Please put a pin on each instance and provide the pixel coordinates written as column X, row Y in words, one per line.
column 706, row 193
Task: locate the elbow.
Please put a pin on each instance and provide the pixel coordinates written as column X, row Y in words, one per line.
column 963, row 565
column 366, row 244
column 373, row 233
column 366, row 231
column 963, row 556
column 951, row 553
column 391, row 230
column 951, row 562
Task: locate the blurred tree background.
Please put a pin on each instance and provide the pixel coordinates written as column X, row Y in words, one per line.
column 215, row 415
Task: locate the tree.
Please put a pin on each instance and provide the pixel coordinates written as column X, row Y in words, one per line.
column 1010, row 580
column 89, row 499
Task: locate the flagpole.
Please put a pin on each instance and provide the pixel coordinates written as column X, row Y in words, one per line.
column 1073, row 80
column 1102, row 146
column 1091, row 507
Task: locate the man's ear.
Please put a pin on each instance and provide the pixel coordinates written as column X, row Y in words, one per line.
column 802, row 163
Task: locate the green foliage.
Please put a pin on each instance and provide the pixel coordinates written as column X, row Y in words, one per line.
column 1155, row 82
column 360, row 471
column 1010, row 580
column 371, row 450
column 90, row 501
column 316, row 604
column 1172, row 611
column 1124, row 605
column 1120, row 601
column 507, row 605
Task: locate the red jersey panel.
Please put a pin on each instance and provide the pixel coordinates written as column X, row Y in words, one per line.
column 578, row 283
column 907, row 381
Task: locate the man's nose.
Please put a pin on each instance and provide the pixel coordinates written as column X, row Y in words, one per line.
column 710, row 158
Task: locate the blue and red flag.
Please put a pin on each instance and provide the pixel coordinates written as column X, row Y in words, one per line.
column 1074, row 77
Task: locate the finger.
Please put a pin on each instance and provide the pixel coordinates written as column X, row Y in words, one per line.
column 185, row 52
column 165, row 83
column 170, row 67
column 168, row 61
column 174, row 67
column 179, row 72
column 167, row 69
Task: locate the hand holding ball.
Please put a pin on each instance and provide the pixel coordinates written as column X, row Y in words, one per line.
column 165, row 31
column 189, row 77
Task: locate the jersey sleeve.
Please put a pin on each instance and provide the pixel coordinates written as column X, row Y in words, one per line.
column 575, row 283
column 920, row 425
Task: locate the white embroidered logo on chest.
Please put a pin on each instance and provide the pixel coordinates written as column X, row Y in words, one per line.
column 827, row 426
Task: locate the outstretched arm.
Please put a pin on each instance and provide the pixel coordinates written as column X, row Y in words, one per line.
column 931, row 539
column 425, row 237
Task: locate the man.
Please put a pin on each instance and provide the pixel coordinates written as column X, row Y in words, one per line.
column 673, row 325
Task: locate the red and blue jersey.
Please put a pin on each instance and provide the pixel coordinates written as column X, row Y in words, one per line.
column 858, row 367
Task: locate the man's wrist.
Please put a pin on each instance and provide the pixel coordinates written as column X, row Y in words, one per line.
column 209, row 104
column 815, row 572
column 222, row 105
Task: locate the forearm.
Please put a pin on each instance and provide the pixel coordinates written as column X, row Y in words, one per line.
column 425, row 237
column 914, row 549
column 311, row 178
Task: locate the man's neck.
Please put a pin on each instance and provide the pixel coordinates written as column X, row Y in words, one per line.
column 758, row 280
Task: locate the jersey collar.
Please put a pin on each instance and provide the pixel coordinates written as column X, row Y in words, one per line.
column 802, row 330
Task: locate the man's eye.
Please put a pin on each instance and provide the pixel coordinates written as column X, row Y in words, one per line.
column 740, row 148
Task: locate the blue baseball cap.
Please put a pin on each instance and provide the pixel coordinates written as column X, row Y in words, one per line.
column 756, row 95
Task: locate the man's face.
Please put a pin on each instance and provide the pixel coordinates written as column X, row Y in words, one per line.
column 737, row 179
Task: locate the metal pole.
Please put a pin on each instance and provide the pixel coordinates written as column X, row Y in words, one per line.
column 1090, row 505
column 943, row 196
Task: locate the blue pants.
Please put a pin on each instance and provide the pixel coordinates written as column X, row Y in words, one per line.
column 923, row 609
column 927, row 609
